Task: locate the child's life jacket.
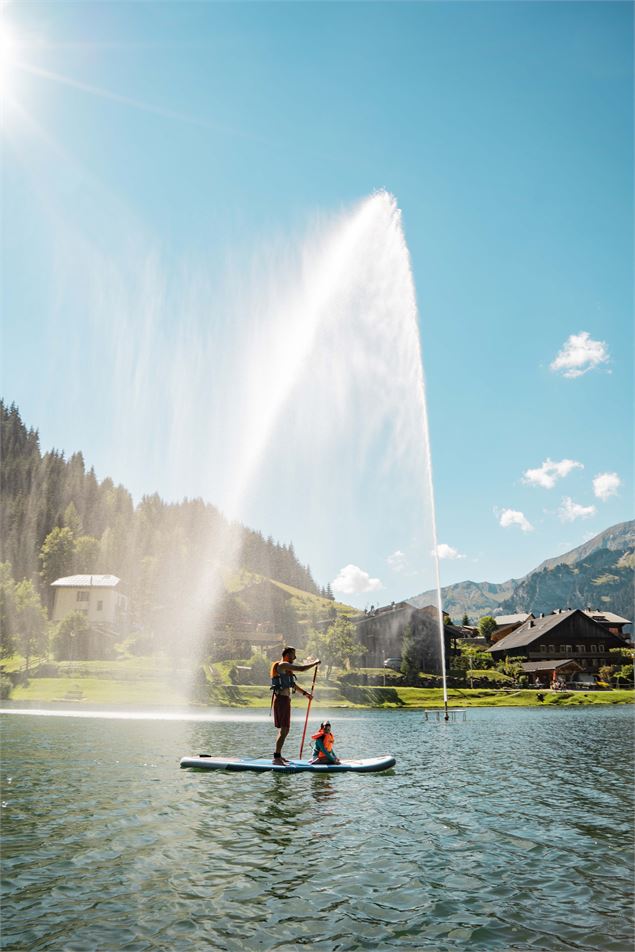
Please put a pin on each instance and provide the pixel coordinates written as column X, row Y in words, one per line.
column 281, row 679
column 323, row 749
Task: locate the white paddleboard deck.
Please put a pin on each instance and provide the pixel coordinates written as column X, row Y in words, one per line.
column 368, row 765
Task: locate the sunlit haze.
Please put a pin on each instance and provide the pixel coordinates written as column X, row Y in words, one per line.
column 202, row 288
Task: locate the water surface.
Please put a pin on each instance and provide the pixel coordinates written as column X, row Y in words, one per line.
column 510, row 830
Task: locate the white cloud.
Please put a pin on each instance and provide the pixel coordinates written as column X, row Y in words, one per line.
column 569, row 511
column 550, row 471
column 447, row 552
column 397, row 561
column 352, row 580
column 605, row 485
column 579, row 355
column 511, row 517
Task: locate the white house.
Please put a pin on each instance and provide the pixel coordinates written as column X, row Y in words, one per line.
column 98, row 596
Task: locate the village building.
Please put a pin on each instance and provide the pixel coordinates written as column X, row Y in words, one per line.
column 505, row 624
column 558, row 643
column 469, row 632
column 271, row 603
column 547, row 673
column 98, row 597
column 381, row 632
column 609, row 620
column 249, row 639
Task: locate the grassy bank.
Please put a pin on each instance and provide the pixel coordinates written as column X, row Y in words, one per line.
column 161, row 692
column 161, row 682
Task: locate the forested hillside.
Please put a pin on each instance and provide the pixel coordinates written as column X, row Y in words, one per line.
column 604, row 580
column 57, row 519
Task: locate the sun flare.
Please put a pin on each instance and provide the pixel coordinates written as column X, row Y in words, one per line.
column 9, row 50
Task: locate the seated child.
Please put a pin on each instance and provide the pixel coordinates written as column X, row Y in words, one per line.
column 323, row 752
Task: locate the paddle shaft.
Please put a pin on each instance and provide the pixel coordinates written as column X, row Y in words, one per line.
column 308, row 708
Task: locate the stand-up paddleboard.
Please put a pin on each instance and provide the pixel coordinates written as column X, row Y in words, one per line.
column 369, row 765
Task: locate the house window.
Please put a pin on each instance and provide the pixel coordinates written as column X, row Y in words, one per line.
column 593, row 648
column 552, row 649
column 100, row 605
column 83, row 596
column 568, row 649
column 580, row 649
column 543, row 648
column 601, row 648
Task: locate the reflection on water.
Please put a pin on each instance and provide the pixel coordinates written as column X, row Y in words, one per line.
column 510, row 831
column 322, row 789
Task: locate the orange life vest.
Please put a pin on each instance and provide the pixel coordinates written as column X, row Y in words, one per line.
column 327, row 739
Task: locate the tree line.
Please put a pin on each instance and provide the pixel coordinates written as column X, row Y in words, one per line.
column 57, row 519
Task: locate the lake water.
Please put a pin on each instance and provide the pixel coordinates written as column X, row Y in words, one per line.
column 509, row 830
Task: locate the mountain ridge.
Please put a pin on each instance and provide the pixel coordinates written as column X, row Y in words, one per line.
column 597, row 573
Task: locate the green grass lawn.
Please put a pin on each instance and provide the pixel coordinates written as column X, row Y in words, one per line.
column 101, row 691
column 467, row 697
column 162, row 681
column 160, row 691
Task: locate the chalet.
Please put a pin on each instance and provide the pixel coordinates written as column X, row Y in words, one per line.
column 271, row 603
column 469, row 631
column 562, row 636
column 505, row 624
column 249, row 639
column 544, row 673
column 612, row 622
column 99, row 597
column 381, row 632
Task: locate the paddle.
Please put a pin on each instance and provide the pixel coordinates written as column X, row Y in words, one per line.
column 308, row 708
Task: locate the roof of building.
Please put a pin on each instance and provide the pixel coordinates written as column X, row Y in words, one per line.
column 87, row 581
column 531, row 666
column 502, row 620
column 532, row 629
column 395, row 607
column 597, row 614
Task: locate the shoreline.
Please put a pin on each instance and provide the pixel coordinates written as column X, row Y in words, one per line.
column 82, row 693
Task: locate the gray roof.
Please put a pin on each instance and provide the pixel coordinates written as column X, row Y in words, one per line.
column 529, row 666
column 598, row 615
column 87, row 581
column 531, row 631
column 502, row 620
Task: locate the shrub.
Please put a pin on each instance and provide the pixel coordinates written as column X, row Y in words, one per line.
column 370, row 696
column 374, row 679
column 5, row 687
column 259, row 673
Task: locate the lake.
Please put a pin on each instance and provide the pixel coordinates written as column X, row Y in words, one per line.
column 511, row 830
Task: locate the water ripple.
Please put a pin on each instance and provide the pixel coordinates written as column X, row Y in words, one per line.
column 507, row 832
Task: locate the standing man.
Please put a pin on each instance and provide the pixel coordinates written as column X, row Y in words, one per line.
column 282, row 684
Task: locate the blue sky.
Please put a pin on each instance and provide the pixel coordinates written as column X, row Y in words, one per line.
column 170, row 152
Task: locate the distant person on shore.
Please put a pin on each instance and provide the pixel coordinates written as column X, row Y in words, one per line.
column 323, row 752
column 282, row 684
